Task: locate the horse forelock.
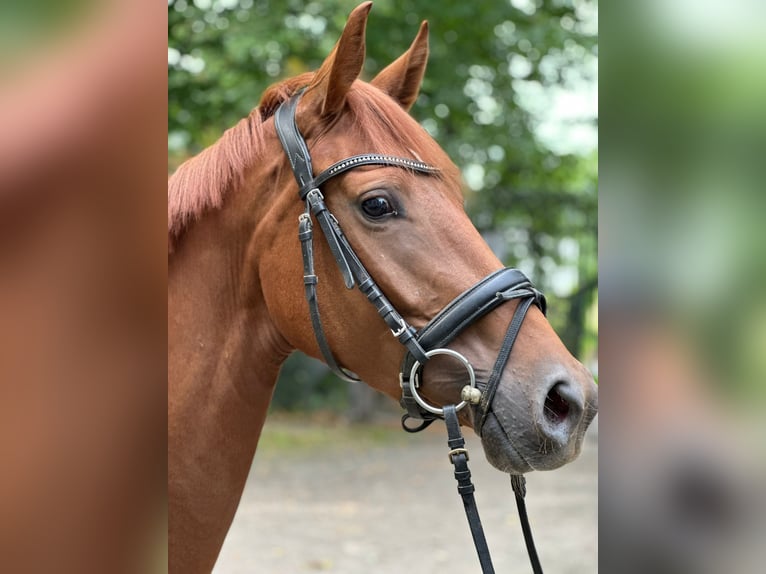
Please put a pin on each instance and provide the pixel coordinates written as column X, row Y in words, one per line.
column 202, row 182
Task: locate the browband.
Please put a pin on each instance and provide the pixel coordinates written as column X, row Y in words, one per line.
column 300, row 158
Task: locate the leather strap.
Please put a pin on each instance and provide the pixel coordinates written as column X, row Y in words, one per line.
column 372, row 159
column 293, row 143
column 468, row 307
column 310, row 280
column 331, row 230
column 519, row 486
column 501, row 361
column 300, row 159
column 458, row 456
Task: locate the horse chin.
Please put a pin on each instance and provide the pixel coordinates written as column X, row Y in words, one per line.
column 514, row 451
column 500, row 450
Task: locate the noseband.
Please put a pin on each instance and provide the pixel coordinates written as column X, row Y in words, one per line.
column 470, row 306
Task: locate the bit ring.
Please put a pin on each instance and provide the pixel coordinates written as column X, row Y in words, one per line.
column 414, row 380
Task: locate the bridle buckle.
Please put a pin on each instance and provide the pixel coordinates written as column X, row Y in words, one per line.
column 401, row 330
column 456, row 451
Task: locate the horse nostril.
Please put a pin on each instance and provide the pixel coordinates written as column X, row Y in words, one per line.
column 555, row 408
column 562, row 410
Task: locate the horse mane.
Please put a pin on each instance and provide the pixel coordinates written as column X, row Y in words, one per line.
column 201, row 182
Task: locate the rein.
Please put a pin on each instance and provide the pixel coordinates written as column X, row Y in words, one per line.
column 474, row 303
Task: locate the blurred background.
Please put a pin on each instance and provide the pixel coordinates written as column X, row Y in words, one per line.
column 83, row 283
column 682, row 269
column 509, row 93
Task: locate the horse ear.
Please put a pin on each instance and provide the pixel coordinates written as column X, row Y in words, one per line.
column 401, row 79
column 344, row 64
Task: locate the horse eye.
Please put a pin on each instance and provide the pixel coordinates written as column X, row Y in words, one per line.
column 377, row 207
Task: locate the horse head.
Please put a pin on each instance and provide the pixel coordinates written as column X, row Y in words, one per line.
column 409, row 229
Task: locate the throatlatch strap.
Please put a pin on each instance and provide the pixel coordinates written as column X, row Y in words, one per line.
column 458, row 456
column 305, row 234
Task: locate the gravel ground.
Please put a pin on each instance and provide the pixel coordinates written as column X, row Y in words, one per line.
column 376, row 500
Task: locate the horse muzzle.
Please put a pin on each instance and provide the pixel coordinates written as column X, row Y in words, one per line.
column 539, row 427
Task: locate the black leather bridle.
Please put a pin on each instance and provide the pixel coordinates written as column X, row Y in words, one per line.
column 473, row 304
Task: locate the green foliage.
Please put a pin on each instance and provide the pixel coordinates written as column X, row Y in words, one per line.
column 25, row 27
column 497, row 96
column 311, row 387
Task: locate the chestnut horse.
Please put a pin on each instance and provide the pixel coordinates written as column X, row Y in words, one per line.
column 236, row 306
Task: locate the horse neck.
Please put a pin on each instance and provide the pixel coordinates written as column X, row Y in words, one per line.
column 224, row 355
column 219, row 329
column 223, row 352
column 213, row 273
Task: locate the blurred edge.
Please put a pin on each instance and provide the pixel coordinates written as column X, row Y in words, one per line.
column 682, row 269
column 83, row 110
